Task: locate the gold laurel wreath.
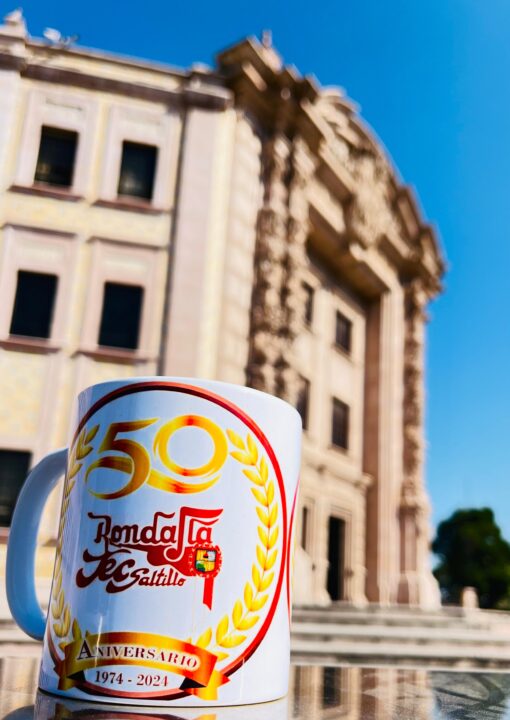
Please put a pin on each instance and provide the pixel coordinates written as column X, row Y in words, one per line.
column 60, row 610
column 228, row 633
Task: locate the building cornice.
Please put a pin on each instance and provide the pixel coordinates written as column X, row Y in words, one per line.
column 124, row 61
column 188, row 94
column 92, row 70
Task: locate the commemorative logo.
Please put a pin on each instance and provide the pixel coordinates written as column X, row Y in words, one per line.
column 183, row 538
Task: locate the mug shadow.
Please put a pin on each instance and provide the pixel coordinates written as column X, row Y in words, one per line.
column 48, row 707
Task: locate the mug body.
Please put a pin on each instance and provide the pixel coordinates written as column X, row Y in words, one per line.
column 172, row 573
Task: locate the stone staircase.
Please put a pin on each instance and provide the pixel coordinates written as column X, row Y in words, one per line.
column 447, row 638
column 342, row 634
column 14, row 642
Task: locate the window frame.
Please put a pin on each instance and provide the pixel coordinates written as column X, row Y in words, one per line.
column 343, row 448
column 125, row 264
column 58, row 186
column 145, row 127
column 39, row 252
column 65, row 111
column 137, row 198
column 341, row 315
column 304, row 527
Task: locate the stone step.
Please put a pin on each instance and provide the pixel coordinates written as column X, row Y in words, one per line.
column 419, row 635
column 394, row 618
column 10, row 633
column 449, row 637
column 360, row 652
column 16, row 649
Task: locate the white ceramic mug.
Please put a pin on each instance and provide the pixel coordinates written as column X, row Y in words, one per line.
column 172, row 574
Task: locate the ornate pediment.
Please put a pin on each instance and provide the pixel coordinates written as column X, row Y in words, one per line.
column 379, row 211
column 355, row 189
column 370, row 215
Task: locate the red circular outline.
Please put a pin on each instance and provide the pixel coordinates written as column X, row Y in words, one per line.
column 200, row 392
column 289, row 553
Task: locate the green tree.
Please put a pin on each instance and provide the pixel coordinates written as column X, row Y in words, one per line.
column 473, row 553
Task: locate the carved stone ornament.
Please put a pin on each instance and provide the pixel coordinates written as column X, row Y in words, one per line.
column 369, row 215
column 280, row 256
column 414, row 318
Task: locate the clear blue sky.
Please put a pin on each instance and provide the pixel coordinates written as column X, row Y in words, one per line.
column 431, row 78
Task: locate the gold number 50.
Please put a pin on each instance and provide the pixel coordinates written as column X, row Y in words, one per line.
column 136, row 461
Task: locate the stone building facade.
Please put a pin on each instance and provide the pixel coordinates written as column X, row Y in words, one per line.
column 259, row 235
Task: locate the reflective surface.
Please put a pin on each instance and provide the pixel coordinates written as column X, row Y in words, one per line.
column 317, row 693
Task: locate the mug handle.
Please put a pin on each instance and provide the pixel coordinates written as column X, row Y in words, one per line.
column 20, row 565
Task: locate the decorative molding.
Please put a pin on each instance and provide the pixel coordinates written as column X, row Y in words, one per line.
column 278, row 302
column 145, row 208
column 35, row 229
column 208, row 97
column 267, row 314
column 293, row 293
column 352, row 166
column 19, row 343
column 46, row 191
column 116, row 355
column 116, row 242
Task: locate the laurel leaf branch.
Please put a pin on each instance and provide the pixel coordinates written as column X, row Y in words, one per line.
column 229, row 631
column 60, row 610
column 80, row 450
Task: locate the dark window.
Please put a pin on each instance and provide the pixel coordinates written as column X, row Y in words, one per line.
column 297, row 671
column 137, row 170
column 13, row 471
column 120, row 317
column 303, row 401
column 304, row 527
column 343, row 332
column 340, row 424
column 336, row 559
column 34, row 304
column 331, row 687
column 308, row 290
column 57, row 152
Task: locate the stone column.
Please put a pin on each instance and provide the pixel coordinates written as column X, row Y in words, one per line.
column 192, row 336
column 358, row 596
column 348, row 580
column 416, row 583
column 383, row 443
column 320, row 552
column 13, row 34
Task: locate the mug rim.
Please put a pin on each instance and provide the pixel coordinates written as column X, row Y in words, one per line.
column 190, row 380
